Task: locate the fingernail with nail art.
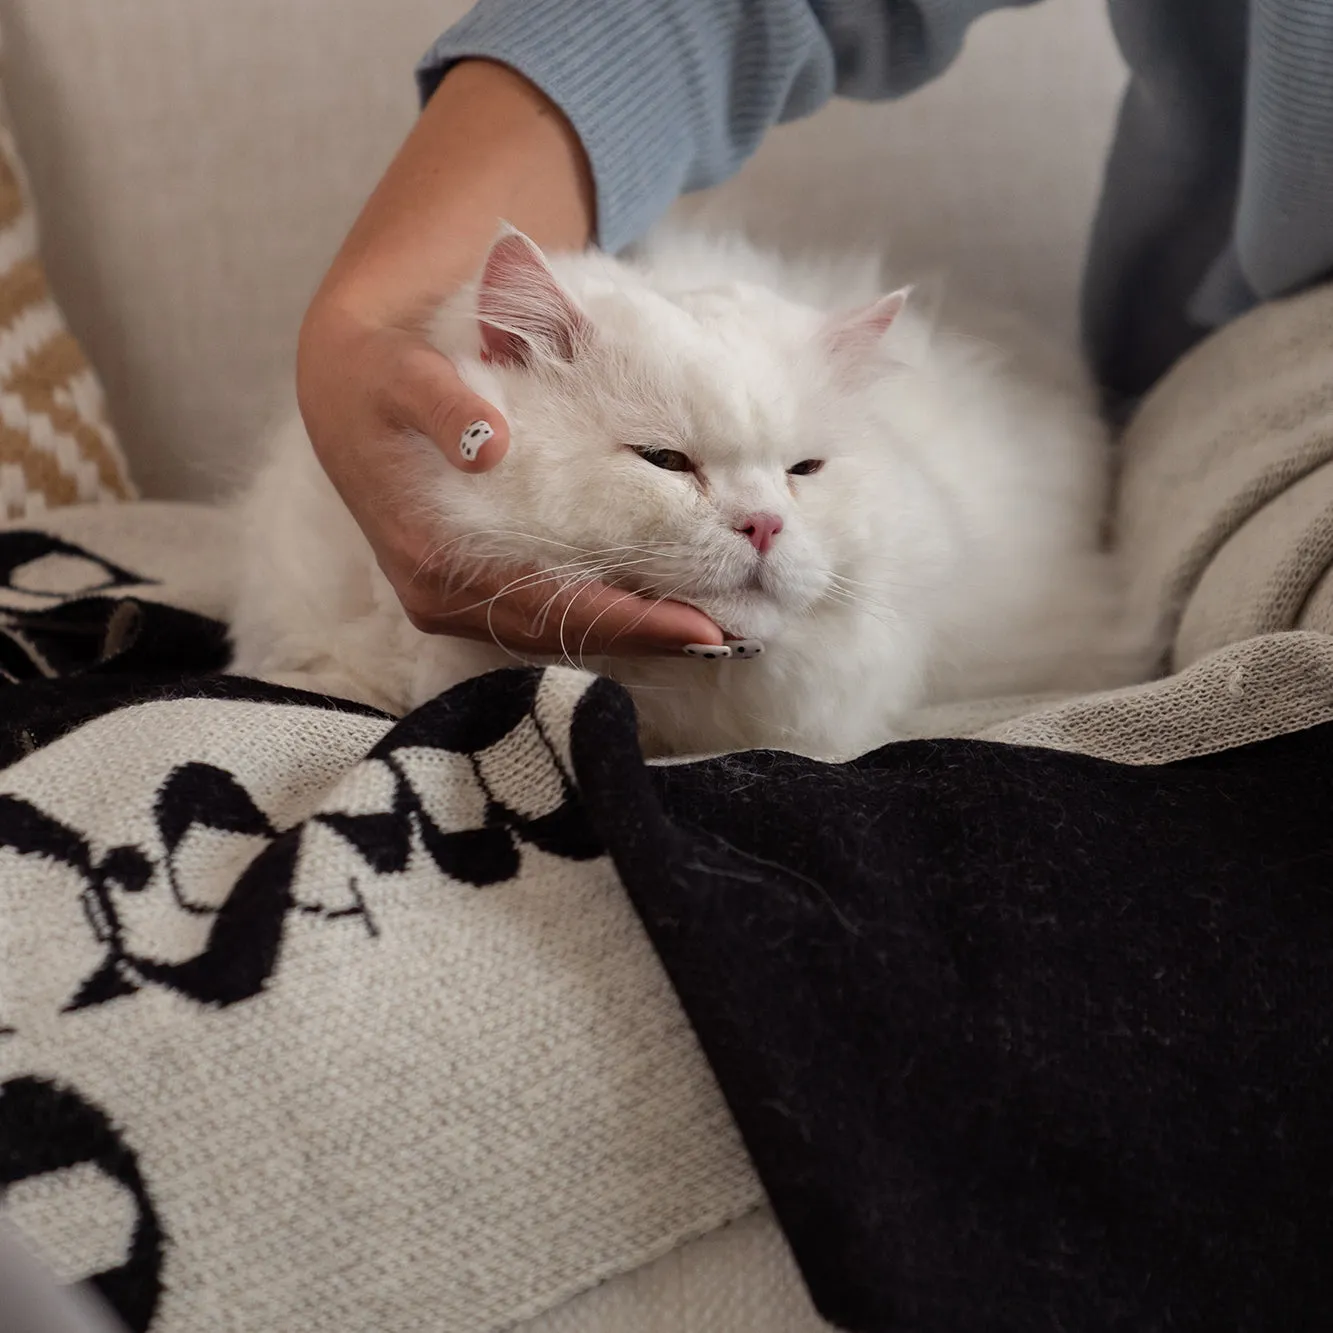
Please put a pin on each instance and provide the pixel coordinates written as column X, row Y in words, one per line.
column 712, row 651
column 744, row 647
column 473, row 438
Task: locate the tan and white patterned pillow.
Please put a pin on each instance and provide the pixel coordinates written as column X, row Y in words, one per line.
column 57, row 446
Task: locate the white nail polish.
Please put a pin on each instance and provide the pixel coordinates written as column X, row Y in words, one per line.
column 712, row 651
column 473, row 438
column 745, row 647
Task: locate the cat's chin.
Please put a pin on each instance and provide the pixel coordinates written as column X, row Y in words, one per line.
column 743, row 616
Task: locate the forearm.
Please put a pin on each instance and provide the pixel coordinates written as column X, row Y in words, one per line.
column 487, row 146
column 669, row 96
column 666, row 96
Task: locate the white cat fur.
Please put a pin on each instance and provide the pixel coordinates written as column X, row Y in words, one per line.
column 948, row 548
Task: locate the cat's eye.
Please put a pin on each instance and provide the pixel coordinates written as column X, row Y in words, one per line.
column 669, row 460
column 806, row 468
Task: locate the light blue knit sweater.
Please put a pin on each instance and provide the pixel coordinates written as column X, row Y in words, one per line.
column 1218, row 192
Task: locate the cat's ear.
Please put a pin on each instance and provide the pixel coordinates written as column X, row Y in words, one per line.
column 851, row 334
column 523, row 311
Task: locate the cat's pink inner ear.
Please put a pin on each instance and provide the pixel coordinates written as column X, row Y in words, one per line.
column 857, row 331
column 521, row 308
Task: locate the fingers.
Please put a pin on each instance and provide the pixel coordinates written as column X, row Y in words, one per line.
column 597, row 619
column 590, row 620
column 427, row 395
column 398, row 381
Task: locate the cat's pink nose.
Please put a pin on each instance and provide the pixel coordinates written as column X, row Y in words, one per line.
column 760, row 529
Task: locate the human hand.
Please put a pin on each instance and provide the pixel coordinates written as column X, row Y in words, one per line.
column 376, row 396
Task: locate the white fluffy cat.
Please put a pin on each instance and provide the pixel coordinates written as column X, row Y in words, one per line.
column 898, row 515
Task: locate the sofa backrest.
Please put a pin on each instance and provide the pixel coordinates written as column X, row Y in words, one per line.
column 196, row 163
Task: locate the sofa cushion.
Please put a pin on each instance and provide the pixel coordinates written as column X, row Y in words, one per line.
column 57, row 446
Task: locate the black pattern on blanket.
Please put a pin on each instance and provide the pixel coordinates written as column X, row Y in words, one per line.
column 309, row 1018
column 1016, row 1039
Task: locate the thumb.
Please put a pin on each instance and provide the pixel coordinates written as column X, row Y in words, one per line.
column 430, row 397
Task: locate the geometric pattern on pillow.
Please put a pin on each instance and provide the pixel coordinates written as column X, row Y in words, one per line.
column 57, row 446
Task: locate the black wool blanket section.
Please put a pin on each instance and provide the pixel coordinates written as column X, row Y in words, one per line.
column 1018, row 1040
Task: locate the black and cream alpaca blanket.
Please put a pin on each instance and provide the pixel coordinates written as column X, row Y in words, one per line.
column 312, row 1018
column 315, row 1019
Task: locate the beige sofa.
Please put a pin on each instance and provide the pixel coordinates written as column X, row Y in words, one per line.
column 196, row 163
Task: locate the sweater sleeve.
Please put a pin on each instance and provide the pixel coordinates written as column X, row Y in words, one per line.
column 670, row 96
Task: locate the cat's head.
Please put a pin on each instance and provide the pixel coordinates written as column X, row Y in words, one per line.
column 718, row 446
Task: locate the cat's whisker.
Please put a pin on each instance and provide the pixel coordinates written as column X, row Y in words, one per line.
column 437, row 551
column 538, row 539
column 641, row 687
column 838, row 577
column 878, row 588
column 568, row 583
column 587, row 572
column 476, row 533
column 859, row 605
column 654, row 602
column 603, row 574
column 606, row 563
column 845, row 598
column 583, row 566
column 599, row 553
column 565, row 576
column 523, row 583
column 583, row 642
column 565, row 581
